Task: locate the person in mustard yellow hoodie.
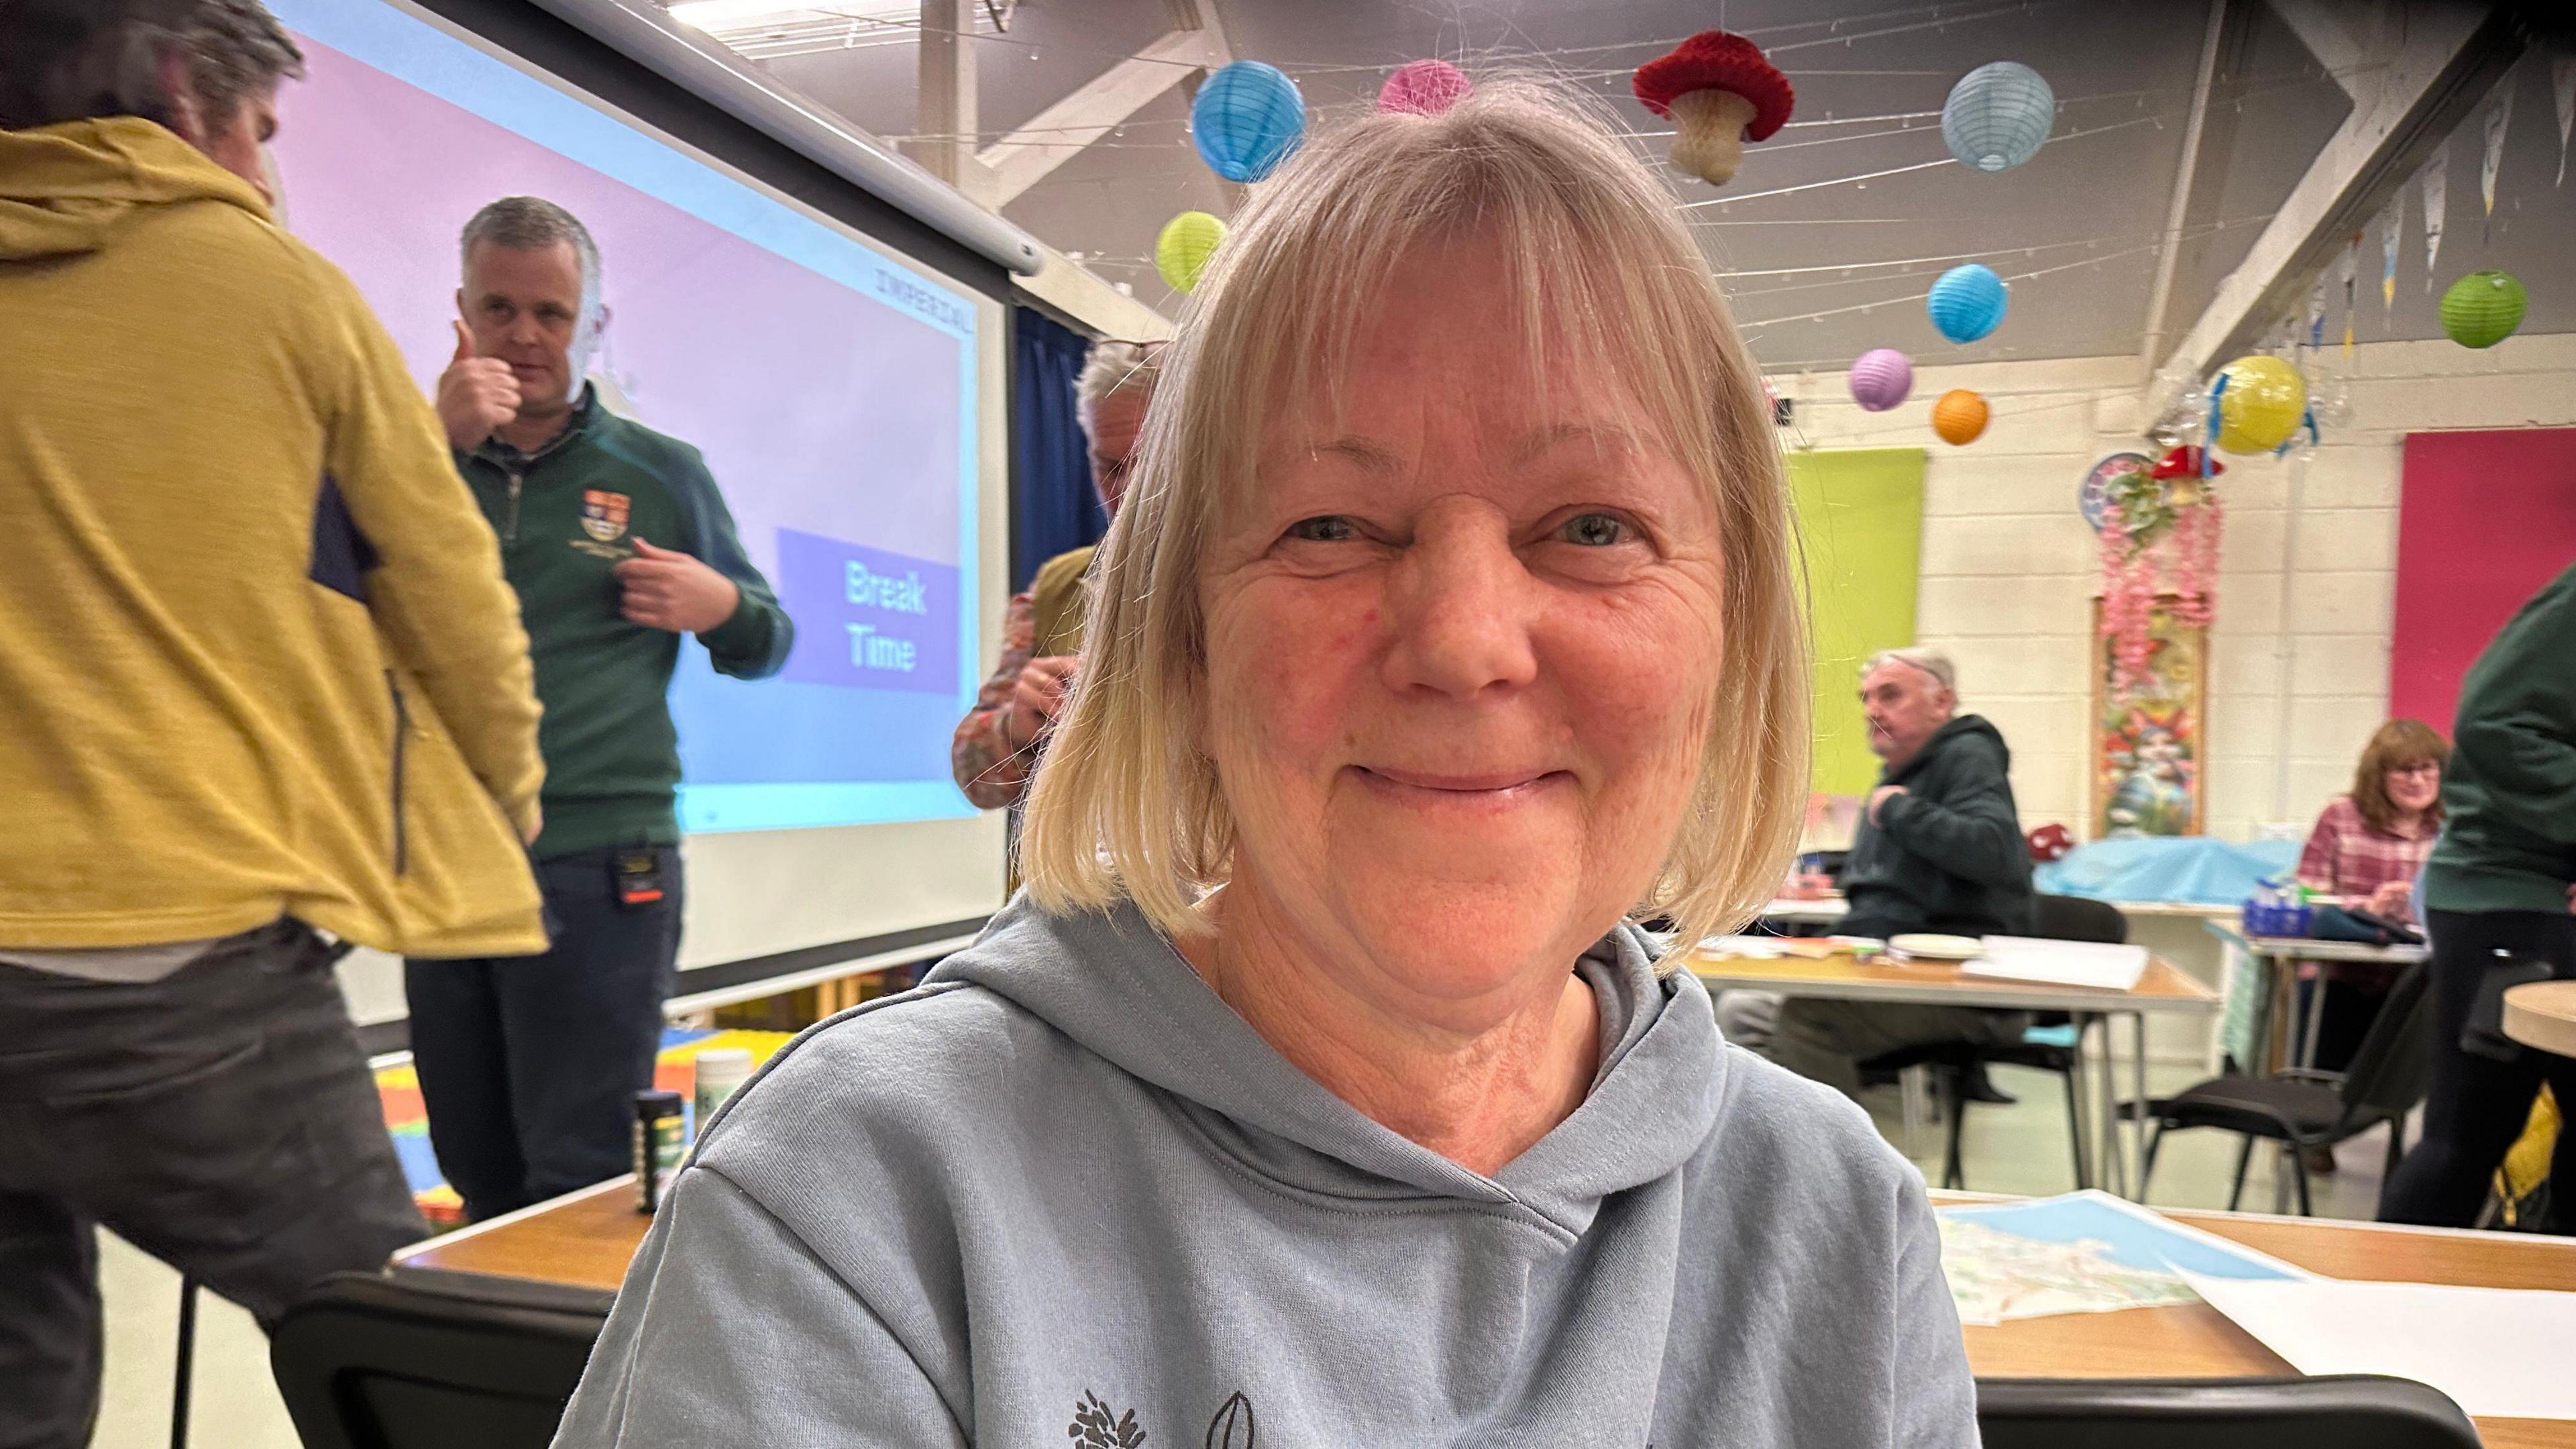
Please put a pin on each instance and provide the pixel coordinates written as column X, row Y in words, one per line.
column 260, row 680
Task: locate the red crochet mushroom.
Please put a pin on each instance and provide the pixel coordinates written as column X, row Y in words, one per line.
column 1721, row 92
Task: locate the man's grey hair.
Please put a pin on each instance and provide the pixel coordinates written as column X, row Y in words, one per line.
column 78, row 60
column 1930, row 661
column 533, row 224
column 1112, row 368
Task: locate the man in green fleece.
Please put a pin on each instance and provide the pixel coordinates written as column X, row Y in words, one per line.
column 2500, row 889
column 1939, row 848
column 617, row 542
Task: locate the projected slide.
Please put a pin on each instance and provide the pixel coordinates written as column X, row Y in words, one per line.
column 832, row 391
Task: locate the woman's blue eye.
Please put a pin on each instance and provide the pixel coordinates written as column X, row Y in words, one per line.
column 1593, row 530
column 1326, row 528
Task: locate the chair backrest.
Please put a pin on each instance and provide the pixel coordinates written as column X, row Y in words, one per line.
column 2075, row 918
column 371, row 1363
column 2394, row 1064
column 2349, row 1411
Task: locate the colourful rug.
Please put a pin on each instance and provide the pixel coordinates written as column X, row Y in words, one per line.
column 676, row 1071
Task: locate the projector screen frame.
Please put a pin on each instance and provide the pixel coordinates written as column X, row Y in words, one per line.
column 586, row 63
column 580, row 63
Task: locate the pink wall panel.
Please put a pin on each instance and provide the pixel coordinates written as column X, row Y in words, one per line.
column 2486, row 518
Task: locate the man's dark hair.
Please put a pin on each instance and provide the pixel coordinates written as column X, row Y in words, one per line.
column 74, row 60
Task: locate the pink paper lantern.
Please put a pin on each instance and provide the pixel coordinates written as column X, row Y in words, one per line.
column 1881, row 378
column 1424, row 88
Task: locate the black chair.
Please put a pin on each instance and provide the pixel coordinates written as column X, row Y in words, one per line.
column 2334, row 1411
column 367, row 1362
column 2050, row 1045
column 2303, row 1108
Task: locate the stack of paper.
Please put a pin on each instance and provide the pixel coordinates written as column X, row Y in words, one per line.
column 2060, row 963
column 2498, row 1352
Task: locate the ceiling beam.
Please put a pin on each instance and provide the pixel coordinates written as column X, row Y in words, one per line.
column 2437, row 66
column 2338, row 35
column 944, row 117
column 1052, row 136
column 2178, row 208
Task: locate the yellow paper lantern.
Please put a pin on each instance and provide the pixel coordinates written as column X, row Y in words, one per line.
column 1959, row 417
column 1181, row 253
column 2261, row 404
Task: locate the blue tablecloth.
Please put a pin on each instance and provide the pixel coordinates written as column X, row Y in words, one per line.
column 2183, row 869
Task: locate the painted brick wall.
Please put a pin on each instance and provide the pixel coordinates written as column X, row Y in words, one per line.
column 2009, row 569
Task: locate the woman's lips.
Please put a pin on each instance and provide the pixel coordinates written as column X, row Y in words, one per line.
column 1431, row 787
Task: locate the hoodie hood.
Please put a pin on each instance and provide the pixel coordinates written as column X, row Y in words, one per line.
column 1117, row 988
column 64, row 189
column 1949, row 736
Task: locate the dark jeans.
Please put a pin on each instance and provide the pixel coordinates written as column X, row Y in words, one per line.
column 221, row 1119
column 2477, row 1106
column 529, row 1065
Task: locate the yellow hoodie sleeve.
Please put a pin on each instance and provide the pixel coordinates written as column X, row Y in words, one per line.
column 438, row 596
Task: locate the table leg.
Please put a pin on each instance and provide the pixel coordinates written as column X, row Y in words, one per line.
column 2314, row 1017
column 2138, row 1077
column 2115, row 1162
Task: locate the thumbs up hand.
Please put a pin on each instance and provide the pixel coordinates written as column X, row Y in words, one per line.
column 475, row 394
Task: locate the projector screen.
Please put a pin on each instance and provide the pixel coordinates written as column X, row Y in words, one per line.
column 848, row 400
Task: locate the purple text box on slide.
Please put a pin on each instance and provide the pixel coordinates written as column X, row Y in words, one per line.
column 866, row 618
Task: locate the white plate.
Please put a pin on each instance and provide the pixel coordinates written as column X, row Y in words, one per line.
column 1931, row 947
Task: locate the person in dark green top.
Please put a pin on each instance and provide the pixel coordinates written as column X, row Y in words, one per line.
column 2501, row 883
column 617, row 543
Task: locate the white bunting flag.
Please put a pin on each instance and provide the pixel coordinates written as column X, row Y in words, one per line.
column 2392, row 228
column 2562, row 78
column 2351, row 264
column 2499, row 112
column 2437, row 199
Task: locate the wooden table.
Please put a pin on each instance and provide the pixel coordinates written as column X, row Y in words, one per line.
column 569, row 1253
column 2543, row 1014
column 2194, row 1340
column 572, row 1253
column 2164, row 988
column 2282, row 953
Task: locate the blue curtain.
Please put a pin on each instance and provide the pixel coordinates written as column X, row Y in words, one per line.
column 1053, row 507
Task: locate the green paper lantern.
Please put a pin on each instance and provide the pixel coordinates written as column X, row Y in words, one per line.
column 2482, row 308
column 1181, row 253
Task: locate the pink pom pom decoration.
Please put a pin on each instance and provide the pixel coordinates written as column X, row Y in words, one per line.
column 1424, row 88
column 1881, row 378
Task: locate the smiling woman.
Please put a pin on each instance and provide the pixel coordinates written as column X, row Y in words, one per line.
column 1319, row 1080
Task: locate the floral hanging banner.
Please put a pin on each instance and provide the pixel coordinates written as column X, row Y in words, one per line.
column 2148, row 740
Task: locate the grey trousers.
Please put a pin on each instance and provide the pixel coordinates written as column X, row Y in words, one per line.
column 1827, row 1040
column 221, row 1119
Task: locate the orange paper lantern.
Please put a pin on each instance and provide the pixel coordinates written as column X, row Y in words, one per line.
column 1959, row 416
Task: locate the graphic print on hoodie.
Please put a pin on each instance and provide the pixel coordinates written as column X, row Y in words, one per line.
column 1062, row 1184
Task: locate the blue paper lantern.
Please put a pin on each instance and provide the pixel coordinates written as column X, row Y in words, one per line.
column 1247, row 119
column 1998, row 115
column 1967, row 303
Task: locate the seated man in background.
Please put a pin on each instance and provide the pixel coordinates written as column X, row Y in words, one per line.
column 1938, row 848
column 260, row 679
column 996, row 743
column 618, row 543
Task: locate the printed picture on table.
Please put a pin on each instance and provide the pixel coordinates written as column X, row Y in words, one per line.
column 2149, row 726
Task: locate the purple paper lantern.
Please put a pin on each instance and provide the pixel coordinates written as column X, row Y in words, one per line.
column 1424, row 88
column 1881, row 378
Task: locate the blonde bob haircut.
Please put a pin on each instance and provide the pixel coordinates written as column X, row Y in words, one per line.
column 1600, row 275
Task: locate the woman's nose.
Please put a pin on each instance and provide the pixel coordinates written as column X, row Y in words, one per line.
column 1462, row 605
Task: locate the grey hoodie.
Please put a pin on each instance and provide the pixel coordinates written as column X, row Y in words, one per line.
column 1062, row 1196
